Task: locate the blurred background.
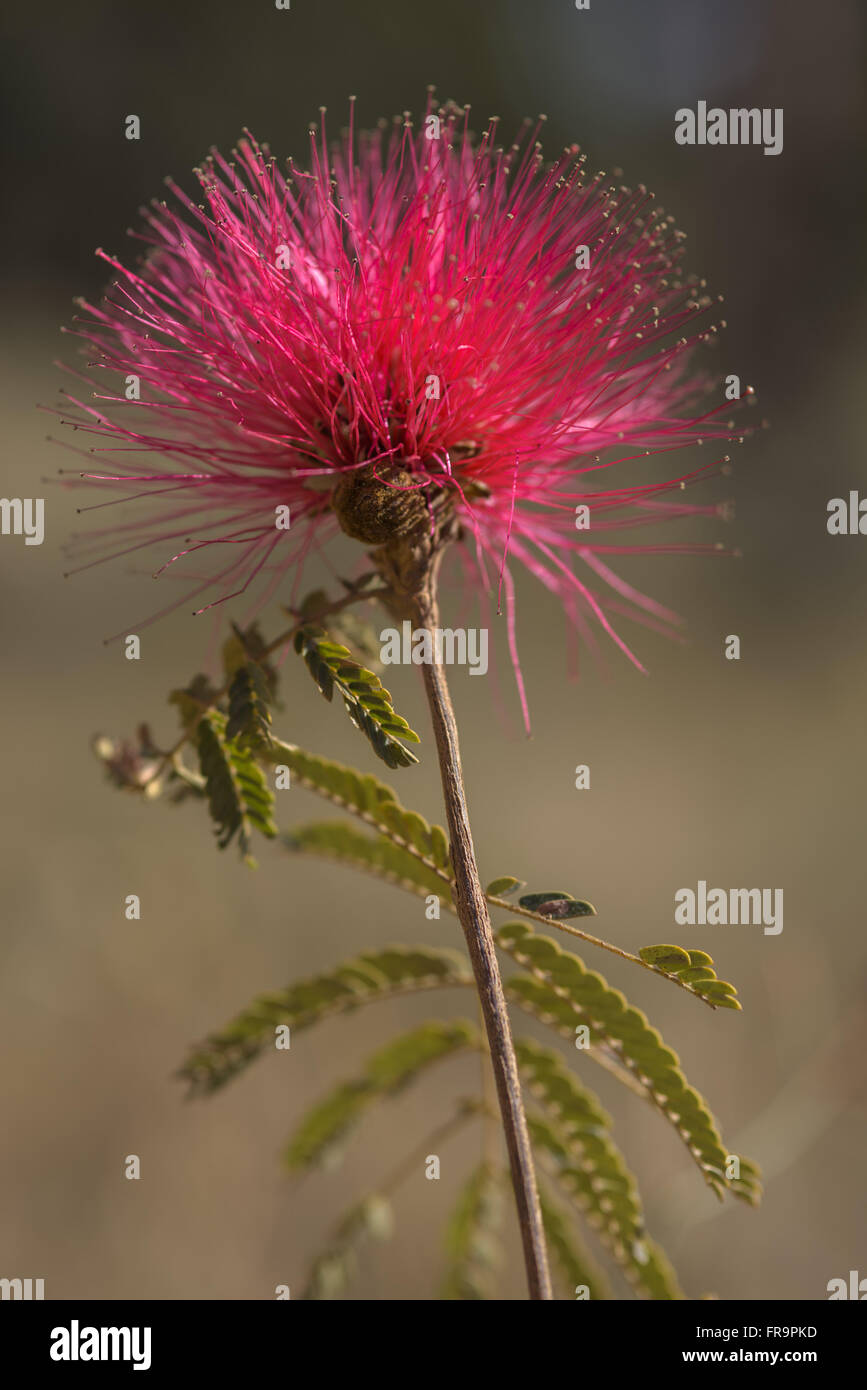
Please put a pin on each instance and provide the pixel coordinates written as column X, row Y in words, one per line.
column 742, row 773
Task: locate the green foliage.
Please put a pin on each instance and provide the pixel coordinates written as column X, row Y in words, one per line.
column 345, row 625
column 357, row 634
column 502, row 887
column 332, row 1272
column 239, row 798
column 249, row 721
column 232, row 728
column 563, row 993
column 668, row 958
column 471, row 1237
column 388, row 1070
column 591, row 1167
column 193, row 700
column 368, row 703
column 696, row 969
column 381, row 974
column 376, row 854
column 368, row 798
column 556, row 904
column 576, row 1266
column 249, row 646
column 748, row 1184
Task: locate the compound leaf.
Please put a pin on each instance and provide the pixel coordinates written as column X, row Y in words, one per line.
column 363, row 979
column 371, row 800
column 563, row 993
column 375, row 854
column 249, row 720
column 694, row 968
column 576, row 1266
column 239, row 798
column 472, row 1236
column 334, row 1269
column 247, row 645
column 368, row 703
column 193, row 700
column 591, row 1167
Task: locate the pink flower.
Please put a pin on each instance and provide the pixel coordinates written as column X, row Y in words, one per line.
column 416, row 299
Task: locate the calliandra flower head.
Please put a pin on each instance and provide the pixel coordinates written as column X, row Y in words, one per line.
column 421, row 324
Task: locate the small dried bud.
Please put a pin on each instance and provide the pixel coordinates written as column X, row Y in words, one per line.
column 379, row 507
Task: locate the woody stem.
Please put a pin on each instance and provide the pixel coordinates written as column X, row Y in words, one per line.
column 473, row 915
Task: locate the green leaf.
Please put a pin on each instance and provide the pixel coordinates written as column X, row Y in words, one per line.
column 666, row 957
column 472, row 1237
column 238, row 796
column 379, row 855
column 345, row 625
column 393, row 970
column 388, row 1070
column 575, row 1264
column 748, row 1185
column 591, row 1167
column 331, row 1273
column 440, row 848
column 695, row 968
column 563, row 993
column 249, row 713
column 556, row 904
column 502, row 887
column 368, row 703
column 359, row 635
column 699, row 958
column 192, row 701
column 368, row 798
column 717, row 989
column 245, row 646
column 723, row 1001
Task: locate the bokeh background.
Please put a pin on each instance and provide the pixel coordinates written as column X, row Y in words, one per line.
column 746, row 773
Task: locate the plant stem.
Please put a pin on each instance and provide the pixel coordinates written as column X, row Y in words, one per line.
column 473, row 915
